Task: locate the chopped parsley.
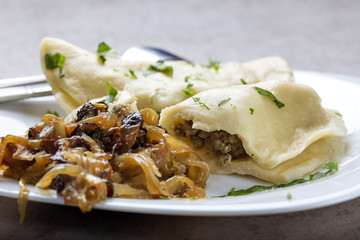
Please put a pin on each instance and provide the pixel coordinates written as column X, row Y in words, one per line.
column 213, row 64
column 164, row 198
column 55, row 113
column 188, row 91
column 132, row 74
column 289, row 197
column 251, row 111
column 53, row 61
column 197, row 99
column 105, row 50
column 193, row 77
column 159, row 67
column 266, row 93
column 339, row 114
column 331, row 166
column 153, row 96
column 112, row 93
column 223, row 101
column 243, row 81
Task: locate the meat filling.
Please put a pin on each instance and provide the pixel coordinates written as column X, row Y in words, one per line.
column 228, row 146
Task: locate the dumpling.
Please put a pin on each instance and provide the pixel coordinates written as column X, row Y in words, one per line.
column 83, row 76
column 275, row 130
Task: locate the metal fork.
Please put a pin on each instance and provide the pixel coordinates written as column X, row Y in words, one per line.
column 12, row 89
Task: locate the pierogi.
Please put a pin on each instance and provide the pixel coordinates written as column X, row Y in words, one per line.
column 245, row 131
column 84, row 76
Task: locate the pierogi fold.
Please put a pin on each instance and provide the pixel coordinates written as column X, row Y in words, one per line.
column 84, row 76
column 243, row 130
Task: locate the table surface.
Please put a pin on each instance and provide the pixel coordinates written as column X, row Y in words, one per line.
column 312, row 35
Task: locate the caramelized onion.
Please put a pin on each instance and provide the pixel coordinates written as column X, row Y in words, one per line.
column 22, row 200
column 142, row 159
column 150, row 116
column 183, row 185
column 104, row 152
column 88, row 188
column 126, row 191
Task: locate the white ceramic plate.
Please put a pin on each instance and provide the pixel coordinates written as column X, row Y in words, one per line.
column 337, row 91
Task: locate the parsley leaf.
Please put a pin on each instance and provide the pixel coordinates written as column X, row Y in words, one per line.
column 251, row 111
column 159, row 67
column 132, row 74
column 213, row 64
column 266, row 93
column 193, row 77
column 339, row 114
column 331, row 166
column 153, row 96
column 223, row 101
column 105, row 50
column 289, row 197
column 243, row 81
column 55, row 113
column 197, row 99
column 53, row 61
column 188, row 91
column 112, row 93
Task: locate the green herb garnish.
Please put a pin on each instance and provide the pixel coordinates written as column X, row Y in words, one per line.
column 193, row 77
column 159, row 67
column 204, row 105
column 188, row 91
column 112, row 93
column 197, row 99
column 266, row 93
column 55, row 113
column 223, row 101
column 53, row 61
column 132, row 74
column 243, row 81
column 251, row 111
column 289, row 197
column 339, row 114
column 105, row 50
column 164, row 198
column 331, row 166
column 153, row 96
column 213, row 64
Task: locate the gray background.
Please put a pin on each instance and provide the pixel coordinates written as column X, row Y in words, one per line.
column 312, row 35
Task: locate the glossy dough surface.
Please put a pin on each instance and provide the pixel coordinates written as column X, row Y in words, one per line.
column 85, row 76
column 284, row 143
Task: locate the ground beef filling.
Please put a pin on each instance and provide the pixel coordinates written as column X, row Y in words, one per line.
column 228, row 146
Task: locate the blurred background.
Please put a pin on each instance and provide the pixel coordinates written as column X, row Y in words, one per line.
column 320, row 35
